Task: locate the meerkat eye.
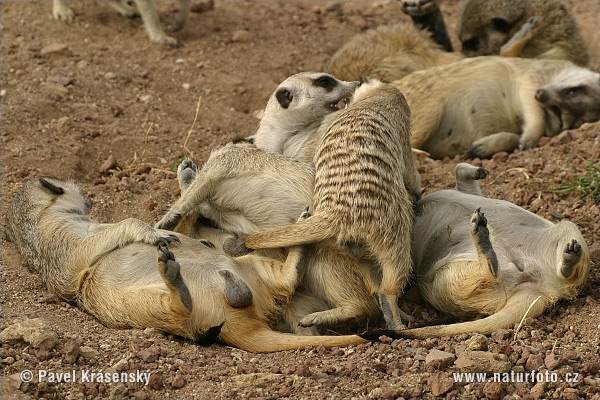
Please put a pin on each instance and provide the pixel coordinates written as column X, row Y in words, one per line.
column 501, row 25
column 326, row 82
column 568, row 92
column 471, row 44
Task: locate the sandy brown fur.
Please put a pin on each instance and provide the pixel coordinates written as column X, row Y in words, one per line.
column 145, row 8
column 531, row 259
column 501, row 27
column 485, row 105
column 388, row 53
column 115, row 272
column 365, row 181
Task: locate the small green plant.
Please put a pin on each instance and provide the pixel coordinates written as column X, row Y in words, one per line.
column 176, row 161
column 587, row 184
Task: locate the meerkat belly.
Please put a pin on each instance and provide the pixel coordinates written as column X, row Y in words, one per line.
column 476, row 111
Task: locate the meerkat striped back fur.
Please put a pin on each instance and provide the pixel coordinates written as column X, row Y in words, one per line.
column 364, row 186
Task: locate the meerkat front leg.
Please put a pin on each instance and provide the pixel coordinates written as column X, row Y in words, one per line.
column 115, row 236
column 467, row 177
column 492, row 144
column 514, row 47
column 571, row 256
column 123, row 8
column 169, row 270
column 152, row 24
column 483, row 246
column 61, row 12
column 182, row 15
column 426, row 14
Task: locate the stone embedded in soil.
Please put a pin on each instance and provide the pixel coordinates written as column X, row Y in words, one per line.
column 178, row 382
column 155, row 382
column 493, row 390
column 534, row 362
column 71, row 351
column 501, row 334
column 149, row 355
column 538, row 391
column 121, row 365
column 482, row 361
column 53, row 48
column 34, row 331
column 107, row 165
column 257, row 380
column 439, row 359
column 440, row 383
column 552, row 361
column 477, row 342
column 88, row 352
column 61, row 79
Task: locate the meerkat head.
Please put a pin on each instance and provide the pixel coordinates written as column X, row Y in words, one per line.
column 297, row 108
column 484, row 26
column 572, row 98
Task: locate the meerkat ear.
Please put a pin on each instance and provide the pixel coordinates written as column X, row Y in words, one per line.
column 284, row 97
column 51, row 187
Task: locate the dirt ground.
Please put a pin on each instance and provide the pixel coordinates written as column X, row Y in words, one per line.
column 102, row 90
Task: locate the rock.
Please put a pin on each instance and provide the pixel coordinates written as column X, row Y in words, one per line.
column 258, row 379
column 107, row 165
column 477, row 342
column 71, row 351
column 34, row 331
column 121, row 365
column 285, row 392
column 199, row 6
column 53, row 48
column 2, row 92
column 502, row 334
column 439, row 359
column 240, row 36
column 186, row 86
column 88, row 352
column 42, row 354
column 110, row 75
column 178, row 382
column 534, row 362
column 141, row 395
column 149, row 355
column 482, row 361
column 493, row 390
column 116, row 111
column 552, row 361
column 146, row 98
column 538, row 391
column 63, row 125
column 155, row 382
column 440, row 383
column 375, row 393
column 61, row 79
column 118, row 392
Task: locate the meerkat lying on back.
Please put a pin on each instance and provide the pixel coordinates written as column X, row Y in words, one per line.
column 365, row 181
column 485, row 105
column 498, row 264
column 533, row 29
column 188, row 288
column 146, row 9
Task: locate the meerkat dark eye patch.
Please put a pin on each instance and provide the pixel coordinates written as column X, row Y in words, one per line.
column 471, row 44
column 326, row 82
column 572, row 91
column 51, row 187
column 284, row 97
column 501, row 25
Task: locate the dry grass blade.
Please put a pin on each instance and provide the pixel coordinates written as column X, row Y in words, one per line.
column 191, row 153
column 525, row 316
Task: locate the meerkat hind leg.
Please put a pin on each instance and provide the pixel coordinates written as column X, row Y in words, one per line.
column 571, row 256
column 169, row 270
column 332, row 317
column 481, row 239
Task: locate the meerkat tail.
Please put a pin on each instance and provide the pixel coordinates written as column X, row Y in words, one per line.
column 259, row 338
column 311, row 230
column 513, row 312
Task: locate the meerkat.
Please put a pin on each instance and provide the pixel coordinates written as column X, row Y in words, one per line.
column 426, row 14
column 145, row 8
column 242, row 190
column 365, row 180
column 388, row 53
column 479, row 256
column 533, row 29
column 295, row 111
column 484, row 105
column 187, row 287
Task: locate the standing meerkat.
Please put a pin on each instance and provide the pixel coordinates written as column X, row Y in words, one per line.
column 505, row 265
column 388, row 53
column 532, row 29
column 485, row 105
column 187, row 287
column 365, row 181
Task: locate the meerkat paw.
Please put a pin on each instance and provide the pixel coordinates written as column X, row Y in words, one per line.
column 236, row 247
column 61, row 12
column 528, row 142
column 480, row 235
column 170, row 271
column 168, row 222
column 418, row 8
column 571, row 255
column 391, row 312
column 186, row 173
column 167, row 41
column 124, row 8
